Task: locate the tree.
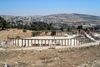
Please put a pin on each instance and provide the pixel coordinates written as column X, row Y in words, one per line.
column 33, row 34
column 24, row 30
column 50, row 24
column 0, row 24
column 86, row 29
column 53, row 33
column 4, row 24
column 62, row 28
column 80, row 27
column 34, row 26
column 69, row 29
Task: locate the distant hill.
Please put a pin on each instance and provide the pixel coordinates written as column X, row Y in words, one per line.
column 71, row 17
column 55, row 18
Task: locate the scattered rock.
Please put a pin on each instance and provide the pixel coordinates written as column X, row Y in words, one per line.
column 48, row 61
column 83, row 65
column 18, row 57
column 91, row 64
column 44, row 58
column 98, row 54
column 56, row 58
column 4, row 64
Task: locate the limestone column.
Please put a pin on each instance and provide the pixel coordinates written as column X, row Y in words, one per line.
column 49, row 42
column 22, row 42
column 52, row 41
column 62, row 42
column 34, row 41
column 74, row 42
column 68, row 42
column 59, row 42
column 45, row 42
column 38, row 42
column 41, row 42
column 31, row 42
column 65, row 41
column 28, row 42
column 25, row 41
column 18, row 42
column 15, row 42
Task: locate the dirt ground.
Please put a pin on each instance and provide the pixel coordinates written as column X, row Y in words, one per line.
column 64, row 57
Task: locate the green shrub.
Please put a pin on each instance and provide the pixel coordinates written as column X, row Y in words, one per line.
column 46, row 32
column 24, row 30
column 53, row 33
column 34, row 33
column 17, row 36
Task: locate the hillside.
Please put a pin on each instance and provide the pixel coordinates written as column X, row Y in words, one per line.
column 54, row 18
column 71, row 18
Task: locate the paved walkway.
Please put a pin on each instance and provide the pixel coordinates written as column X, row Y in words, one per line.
column 57, row 47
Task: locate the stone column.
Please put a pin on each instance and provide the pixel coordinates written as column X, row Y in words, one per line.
column 34, row 41
column 25, row 41
column 52, row 41
column 74, row 42
column 45, row 42
column 28, row 42
column 15, row 42
column 41, row 42
column 31, row 42
column 65, row 41
column 68, row 42
column 38, row 42
column 18, row 42
column 78, row 41
column 22, row 42
column 62, row 42
column 55, row 41
column 49, row 42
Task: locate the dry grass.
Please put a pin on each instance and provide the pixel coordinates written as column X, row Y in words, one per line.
column 51, row 58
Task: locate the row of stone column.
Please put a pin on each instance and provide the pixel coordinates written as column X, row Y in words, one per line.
column 42, row 42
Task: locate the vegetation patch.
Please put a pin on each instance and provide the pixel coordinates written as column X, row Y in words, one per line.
column 17, row 36
column 45, row 58
column 24, row 30
column 53, row 33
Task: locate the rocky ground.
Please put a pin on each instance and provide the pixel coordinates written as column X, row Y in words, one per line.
column 64, row 57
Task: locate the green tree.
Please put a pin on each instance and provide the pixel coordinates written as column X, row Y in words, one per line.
column 24, row 30
column 3, row 23
column 62, row 28
column 86, row 29
column 69, row 29
column 50, row 24
column 53, row 33
column 33, row 34
column 80, row 27
column 0, row 24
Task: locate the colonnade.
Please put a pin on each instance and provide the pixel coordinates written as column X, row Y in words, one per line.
column 46, row 42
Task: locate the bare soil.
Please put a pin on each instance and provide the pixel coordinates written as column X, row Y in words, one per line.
column 64, row 57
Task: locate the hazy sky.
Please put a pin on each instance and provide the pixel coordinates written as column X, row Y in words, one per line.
column 47, row 7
